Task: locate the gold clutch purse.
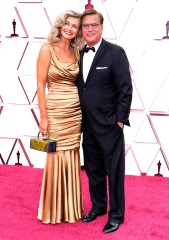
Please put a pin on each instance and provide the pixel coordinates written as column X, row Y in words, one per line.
column 43, row 144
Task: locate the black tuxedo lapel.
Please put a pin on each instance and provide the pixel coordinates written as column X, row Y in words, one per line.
column 98, row 55
column 81, row 66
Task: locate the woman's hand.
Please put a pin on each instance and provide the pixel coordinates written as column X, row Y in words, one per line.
column 44, row 126
column 121, row 125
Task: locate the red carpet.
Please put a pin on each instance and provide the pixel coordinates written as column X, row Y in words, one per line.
column 147, row 209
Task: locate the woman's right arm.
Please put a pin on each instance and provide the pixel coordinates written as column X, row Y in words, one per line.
column 42, row 67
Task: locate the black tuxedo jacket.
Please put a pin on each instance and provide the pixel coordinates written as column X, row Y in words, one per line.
column 107, row 93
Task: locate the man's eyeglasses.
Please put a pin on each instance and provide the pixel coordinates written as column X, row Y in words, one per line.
column 92, row 25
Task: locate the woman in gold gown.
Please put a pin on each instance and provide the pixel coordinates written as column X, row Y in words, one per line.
column 60, row 119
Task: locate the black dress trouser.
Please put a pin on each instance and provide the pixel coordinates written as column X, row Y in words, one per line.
column 104, row 160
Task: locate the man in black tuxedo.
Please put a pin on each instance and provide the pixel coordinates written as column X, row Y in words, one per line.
column 105, row 91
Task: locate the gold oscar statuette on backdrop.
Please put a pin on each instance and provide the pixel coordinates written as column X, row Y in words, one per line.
column 167, row 31
column 159, row 167
column 14, row 29
column 89, row 5
column 18, row 158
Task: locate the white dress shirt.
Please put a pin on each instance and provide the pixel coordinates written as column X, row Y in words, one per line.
column 88, row 59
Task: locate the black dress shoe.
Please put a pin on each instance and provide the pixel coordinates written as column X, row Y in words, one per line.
column 92, row 216
column 110, row 227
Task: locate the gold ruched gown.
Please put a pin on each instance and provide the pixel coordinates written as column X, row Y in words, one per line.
column 60, row 198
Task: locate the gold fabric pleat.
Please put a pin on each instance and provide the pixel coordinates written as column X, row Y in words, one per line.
column 60, row 197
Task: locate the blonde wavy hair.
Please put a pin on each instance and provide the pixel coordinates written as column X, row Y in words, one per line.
column 55, row 32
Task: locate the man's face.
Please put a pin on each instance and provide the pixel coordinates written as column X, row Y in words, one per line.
column 92, row 29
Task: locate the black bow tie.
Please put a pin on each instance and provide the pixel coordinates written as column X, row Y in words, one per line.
column 86, row 49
